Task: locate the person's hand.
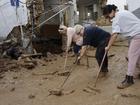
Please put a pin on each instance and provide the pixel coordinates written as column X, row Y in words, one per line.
column 77, row 61
column 107, row 49
column 65, row 54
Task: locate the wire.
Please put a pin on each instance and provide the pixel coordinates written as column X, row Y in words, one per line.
column 48, row 19
column 51, row 9
column 51, row 17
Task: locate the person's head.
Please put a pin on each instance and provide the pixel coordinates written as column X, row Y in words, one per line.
column 79, row 29
column 62, row 30
column 109, row 11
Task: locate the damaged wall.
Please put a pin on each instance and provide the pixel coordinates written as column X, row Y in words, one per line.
column 47, row 38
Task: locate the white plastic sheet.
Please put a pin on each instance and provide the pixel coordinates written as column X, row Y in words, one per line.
column 133, row 5
column 11, row 17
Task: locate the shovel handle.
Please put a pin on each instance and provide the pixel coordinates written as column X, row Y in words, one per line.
column 100, row 69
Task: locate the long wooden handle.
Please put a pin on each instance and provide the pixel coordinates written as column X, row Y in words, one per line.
column 65, row 63
column 100, row 69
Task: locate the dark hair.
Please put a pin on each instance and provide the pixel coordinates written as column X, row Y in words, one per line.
column 108, row 9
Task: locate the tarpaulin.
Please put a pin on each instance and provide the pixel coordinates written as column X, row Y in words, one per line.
column 11, row 16
column 15, row 3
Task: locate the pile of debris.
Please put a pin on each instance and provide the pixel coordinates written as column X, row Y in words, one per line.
column 13, row 56
column 27, row 61
column 101, row 21
column 7, row 65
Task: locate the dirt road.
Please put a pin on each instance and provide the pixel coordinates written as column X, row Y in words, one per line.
column 31, row 87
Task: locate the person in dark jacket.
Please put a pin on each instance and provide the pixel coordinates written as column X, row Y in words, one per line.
column 98, row 38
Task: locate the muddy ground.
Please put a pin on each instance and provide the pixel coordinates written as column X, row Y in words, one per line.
column 31, row 87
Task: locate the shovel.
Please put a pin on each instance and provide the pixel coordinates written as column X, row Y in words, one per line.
column 100, row 69
column 65, row 61
column 87, row 60
column 94, row 87
column 59, row 92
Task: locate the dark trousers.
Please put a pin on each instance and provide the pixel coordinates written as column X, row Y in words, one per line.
column 100, row 54
column 76, row 49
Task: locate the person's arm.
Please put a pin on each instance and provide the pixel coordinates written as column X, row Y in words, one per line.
column 111, row 41
column 82, row 52
column 69, row 39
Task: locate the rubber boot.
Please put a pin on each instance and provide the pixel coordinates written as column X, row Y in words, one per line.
column 128, row 81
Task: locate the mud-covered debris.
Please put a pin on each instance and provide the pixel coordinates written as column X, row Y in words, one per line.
column 31, row 61
column 57, row 92
column 69, row 92
column 12, row 66
column 12, row 82
column 15, row 77
column 50, row 60
column 31, row 55
column 94, row 89
column 12, row 89
column 50, row 55
column 89, row 91
column 112, row 55
column 55, row 59
column 66, row 73
column 31, row 96
column 28, row 65
column 53, row 73
column 60, row 92
column 1, row 76
column 43, row 64
column 45, row 78
column 130, row 95
column 61, row 55
column 40, row 84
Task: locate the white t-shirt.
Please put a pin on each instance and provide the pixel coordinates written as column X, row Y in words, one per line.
column 126, row 24
column 72, row 37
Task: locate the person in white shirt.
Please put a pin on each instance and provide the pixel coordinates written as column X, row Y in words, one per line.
column 71, row 37
column 127, row 24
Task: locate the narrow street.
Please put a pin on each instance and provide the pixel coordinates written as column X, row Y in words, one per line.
column 39, row 43
column 31, row 87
